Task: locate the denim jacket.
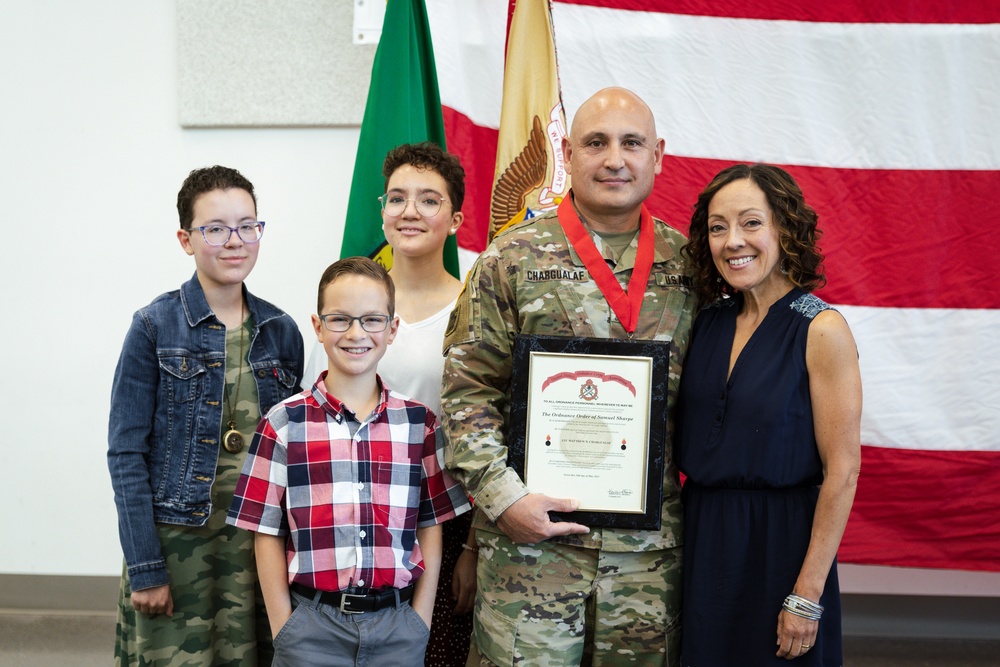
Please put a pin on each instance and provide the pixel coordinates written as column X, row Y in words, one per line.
column 166, row 413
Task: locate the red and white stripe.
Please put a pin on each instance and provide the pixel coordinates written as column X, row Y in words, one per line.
column 888, row 115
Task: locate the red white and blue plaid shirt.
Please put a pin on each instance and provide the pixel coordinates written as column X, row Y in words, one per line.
column 350, row 495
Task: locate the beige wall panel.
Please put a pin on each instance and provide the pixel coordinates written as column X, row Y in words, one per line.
column 270, row 63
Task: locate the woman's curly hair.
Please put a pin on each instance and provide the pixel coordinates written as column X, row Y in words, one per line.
column 795, row 220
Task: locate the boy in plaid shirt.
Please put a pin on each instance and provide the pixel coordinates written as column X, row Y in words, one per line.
column 344, row 490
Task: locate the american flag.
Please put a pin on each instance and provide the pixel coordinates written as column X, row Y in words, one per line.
column 888, row 115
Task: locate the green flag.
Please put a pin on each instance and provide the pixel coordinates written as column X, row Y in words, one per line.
column 403, row 107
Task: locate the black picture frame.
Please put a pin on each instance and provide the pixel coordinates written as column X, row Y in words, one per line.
column 659, row 353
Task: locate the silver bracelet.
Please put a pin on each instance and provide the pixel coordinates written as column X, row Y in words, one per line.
column 800, row 606
column 474, row 550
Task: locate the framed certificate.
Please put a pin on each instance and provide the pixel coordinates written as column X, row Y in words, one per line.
column 588, row 421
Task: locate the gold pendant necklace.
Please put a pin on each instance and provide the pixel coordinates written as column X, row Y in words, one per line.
column 232, row 439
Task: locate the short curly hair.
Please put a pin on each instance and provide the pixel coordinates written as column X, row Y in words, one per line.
column 200, row 181
column 428, row 155
column 796, row 222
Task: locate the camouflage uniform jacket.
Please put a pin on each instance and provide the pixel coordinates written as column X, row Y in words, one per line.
column 530, row 280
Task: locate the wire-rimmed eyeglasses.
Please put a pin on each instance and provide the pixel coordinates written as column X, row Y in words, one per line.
column 428, row 204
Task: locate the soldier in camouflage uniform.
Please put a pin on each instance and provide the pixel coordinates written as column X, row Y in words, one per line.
column 557, row 593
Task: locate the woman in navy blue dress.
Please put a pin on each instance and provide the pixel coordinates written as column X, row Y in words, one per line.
column 768, row 431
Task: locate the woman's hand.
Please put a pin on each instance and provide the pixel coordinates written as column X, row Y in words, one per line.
column 796, row 635
column 153, row 601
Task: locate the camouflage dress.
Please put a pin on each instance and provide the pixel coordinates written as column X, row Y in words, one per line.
column 219, row 616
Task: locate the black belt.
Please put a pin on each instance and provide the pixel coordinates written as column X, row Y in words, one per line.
column 357, row 603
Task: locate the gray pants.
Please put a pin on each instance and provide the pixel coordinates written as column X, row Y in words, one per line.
column 320, row 635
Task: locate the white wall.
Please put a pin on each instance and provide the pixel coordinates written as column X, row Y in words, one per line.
column 91, row 157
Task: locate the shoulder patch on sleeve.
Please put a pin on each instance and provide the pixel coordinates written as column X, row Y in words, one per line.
column 463, row 323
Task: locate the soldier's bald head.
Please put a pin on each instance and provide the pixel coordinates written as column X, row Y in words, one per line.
column 612, row 101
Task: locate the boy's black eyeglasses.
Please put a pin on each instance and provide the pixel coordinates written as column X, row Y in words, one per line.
column 249, row 232
column 342, row 323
